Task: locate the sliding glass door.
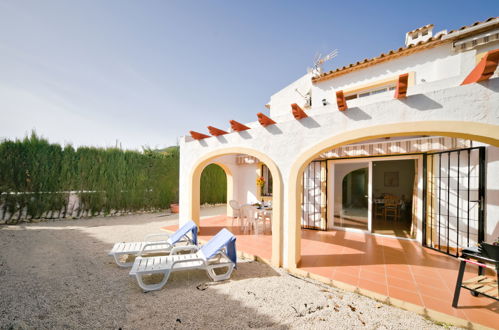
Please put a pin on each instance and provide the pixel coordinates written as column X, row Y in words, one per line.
column 351, row 195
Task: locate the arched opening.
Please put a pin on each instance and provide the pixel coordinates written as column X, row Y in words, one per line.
column 428, row 188
column 475, row 132
column 253, row 184
column 216, row 187
column 354, row 202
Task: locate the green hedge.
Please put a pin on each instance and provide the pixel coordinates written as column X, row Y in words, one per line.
column 36, row 177
column 213, row 185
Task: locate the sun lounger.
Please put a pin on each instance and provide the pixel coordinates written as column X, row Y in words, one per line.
column 165, row 245
column 217, row 254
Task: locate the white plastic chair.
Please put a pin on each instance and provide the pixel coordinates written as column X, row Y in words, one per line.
column 236, row 211
column 266, row 216
column 249, row 215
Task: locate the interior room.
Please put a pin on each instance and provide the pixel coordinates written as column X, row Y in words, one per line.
column 394, row 184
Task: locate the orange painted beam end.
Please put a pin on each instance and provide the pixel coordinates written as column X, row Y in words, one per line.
column 340, row 100
column 298, row 112
column 238, row 127
column 484, row 69
column 216, row 131
column 198, row 136
column 402, row 83
column 264, row 120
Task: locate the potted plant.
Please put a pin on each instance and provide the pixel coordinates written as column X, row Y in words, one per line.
column 174, row 208
column 260, row 182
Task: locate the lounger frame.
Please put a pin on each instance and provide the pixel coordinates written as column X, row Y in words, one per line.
column 148, row 246
column 180, row 262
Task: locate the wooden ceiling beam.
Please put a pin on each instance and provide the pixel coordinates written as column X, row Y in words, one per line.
column 198, row 136
column 340, row 100
column 402, row 83
column 264, row 120
column 216, row 131
column 298, row 112
column 484, row 69
column 237, row 126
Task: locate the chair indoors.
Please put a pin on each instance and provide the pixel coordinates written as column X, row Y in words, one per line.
column 392, row 209
column 379, row 210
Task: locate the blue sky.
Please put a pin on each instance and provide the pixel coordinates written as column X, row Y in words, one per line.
column 146, row 72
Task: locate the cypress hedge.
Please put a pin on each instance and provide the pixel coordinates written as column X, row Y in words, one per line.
column 213, row 193
column 37, row 178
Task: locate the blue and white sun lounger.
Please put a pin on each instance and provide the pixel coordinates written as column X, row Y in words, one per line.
column 218, row 253
column 187, row 234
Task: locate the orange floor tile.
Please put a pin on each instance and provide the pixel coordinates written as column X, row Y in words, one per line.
column 249, row 242
column 400, row 269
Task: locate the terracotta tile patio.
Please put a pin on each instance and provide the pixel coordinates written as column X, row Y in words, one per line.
column 400, row 269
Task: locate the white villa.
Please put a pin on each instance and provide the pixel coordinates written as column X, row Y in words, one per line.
column 405, row 144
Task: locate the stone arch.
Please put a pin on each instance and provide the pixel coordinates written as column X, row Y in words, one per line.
column 461, row 129
column 277, row 187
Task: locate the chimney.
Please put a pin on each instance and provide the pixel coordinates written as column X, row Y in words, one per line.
column 421, row 34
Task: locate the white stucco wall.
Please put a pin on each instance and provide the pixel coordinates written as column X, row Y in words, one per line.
column 246, row 188
column 280, row 102
column 438, row 64
column 435, row 64
column 289, row 138
column 244, row 179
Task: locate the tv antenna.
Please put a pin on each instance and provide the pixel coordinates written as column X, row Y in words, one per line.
column 319, row 61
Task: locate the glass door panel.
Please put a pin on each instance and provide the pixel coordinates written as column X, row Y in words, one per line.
column 351, row 195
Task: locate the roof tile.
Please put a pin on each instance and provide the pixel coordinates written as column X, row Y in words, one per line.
column 325, row 75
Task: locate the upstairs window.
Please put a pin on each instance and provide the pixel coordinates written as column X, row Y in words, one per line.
column 369, row 92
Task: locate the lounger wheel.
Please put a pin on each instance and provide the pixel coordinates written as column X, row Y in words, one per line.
column 152, row 287
column 474, row 293
column 221, row 277
column 120, row 263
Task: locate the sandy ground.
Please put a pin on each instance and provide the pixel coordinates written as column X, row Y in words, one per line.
column 58, row 275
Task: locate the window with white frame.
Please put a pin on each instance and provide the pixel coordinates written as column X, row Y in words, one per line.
column 365, row 93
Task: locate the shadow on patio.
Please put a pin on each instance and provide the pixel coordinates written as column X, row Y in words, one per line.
column 395, row 268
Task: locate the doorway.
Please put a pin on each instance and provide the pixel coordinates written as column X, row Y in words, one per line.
column 394, row 185
column 351, row 195
column 380, row 195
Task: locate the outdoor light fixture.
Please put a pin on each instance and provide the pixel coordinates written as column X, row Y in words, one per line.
column 324, row 102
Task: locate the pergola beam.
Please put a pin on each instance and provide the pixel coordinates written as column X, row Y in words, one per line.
column 402, row 83
column 264, row 120
column 484, row 69
column 198, row 136
column 341, row 101
column 237, row 126
column 216, row 131
column 298, row 112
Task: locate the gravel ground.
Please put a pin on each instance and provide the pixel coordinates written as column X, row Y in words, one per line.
column 57, row 275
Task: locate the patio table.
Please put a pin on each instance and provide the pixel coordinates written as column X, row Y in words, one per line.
column 480, row 285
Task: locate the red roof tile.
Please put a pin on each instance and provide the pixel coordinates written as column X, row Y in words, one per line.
column 402, row 51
